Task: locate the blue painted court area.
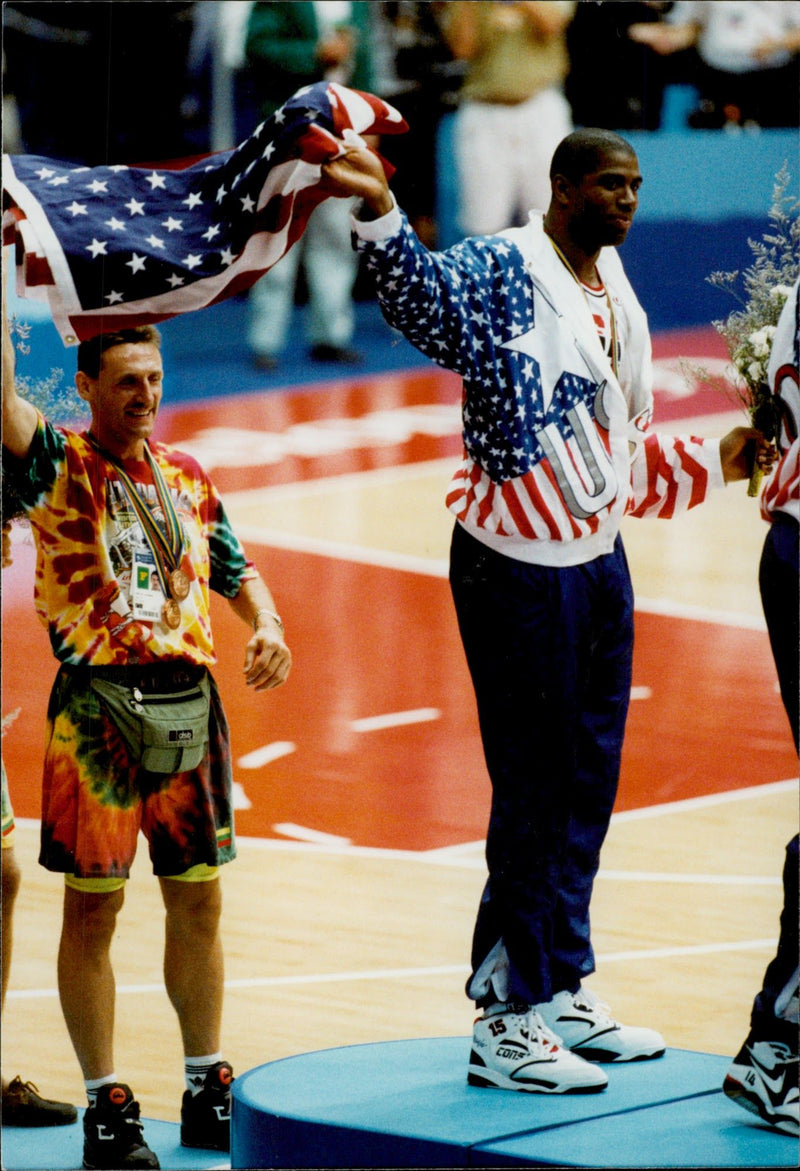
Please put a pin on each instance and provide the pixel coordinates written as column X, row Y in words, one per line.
column 407, row 1104
column 60, row 1148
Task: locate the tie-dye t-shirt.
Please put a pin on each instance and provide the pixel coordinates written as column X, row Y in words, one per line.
column 90, row 546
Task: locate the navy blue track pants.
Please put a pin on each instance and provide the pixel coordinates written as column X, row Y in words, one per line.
column 550, row 655
column 780, row 597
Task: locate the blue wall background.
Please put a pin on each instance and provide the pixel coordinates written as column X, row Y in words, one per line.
column 705, row 193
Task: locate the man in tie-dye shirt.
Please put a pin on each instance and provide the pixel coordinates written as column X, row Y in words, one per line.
column 116, row 516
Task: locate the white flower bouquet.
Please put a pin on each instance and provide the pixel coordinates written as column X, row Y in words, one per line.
column 761, row 292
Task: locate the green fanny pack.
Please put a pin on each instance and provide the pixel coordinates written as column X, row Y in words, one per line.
column 165, row 732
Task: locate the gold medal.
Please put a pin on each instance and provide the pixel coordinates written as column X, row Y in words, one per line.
column 179, row 584
column 171, row 614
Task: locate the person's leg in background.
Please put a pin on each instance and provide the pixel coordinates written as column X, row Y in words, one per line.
column 270, row 307
column 485, row 167
column 540, row 124
column 331, row 267
column 21, row 1102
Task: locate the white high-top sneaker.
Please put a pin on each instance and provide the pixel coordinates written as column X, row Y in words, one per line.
column 513, row 1050
column 763, row 1079
column 585, row 1026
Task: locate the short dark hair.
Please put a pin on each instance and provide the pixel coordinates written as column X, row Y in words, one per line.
column 581, row 152
column 90, row 353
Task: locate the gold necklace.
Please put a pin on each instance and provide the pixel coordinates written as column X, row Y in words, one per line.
column 580, row 285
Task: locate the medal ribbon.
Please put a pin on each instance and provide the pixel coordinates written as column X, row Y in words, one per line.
column 167, row 549
column 578, row 282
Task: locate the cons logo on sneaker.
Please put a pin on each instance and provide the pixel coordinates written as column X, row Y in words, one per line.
column 509, row 1053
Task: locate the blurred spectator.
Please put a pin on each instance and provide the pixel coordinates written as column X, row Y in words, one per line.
column 290, row 45
column 748, row 67
column 417, row 73
column 632, row 93
column 99, row 83
column 513, row 111
column 234, row 110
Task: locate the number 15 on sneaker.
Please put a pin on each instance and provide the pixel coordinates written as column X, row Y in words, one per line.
column 512, row 1049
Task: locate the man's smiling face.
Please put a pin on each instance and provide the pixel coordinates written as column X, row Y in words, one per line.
column 125, row 397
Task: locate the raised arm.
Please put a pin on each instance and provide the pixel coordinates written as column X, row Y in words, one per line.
column 19, row 417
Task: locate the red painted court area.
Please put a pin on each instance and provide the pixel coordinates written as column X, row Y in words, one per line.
column 375, row 738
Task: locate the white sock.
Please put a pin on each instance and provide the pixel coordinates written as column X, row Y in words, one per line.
column 196, row 1069
column 94, row 1084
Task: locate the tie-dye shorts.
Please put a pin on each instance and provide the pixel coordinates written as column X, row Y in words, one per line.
column 95, row 800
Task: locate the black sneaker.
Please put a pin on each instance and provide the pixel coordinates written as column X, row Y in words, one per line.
column 23, row 1106
column 206, row 1116
column 763, row 1079
column 339, row 355
column 112, row 1132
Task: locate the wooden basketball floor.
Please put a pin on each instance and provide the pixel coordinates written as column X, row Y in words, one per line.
column 361, row 787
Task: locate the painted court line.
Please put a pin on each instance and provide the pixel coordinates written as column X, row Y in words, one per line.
column 707, row 800
column 341, row 551
column 304, row 833
column 324, row 486
column 747, row 880
column 265, row 755
column 672, row 609
column 375, row 974
column 418, row 715
column 470, row 854
column 438, row 567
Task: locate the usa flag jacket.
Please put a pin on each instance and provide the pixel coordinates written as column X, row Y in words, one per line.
column 557, row 447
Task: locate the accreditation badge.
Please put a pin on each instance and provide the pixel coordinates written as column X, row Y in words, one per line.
column 147, row 598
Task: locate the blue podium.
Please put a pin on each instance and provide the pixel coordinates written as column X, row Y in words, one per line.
column 407, row 1104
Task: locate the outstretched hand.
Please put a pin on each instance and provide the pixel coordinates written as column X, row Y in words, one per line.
column 358, row 172
column 742, row 449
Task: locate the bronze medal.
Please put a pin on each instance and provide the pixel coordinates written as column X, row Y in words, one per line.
column 179, row 584
column 171, row 614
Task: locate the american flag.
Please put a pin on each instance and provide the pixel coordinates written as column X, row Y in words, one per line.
column 116, row 246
